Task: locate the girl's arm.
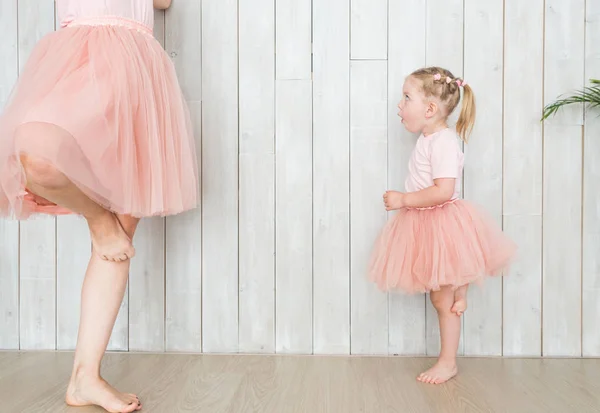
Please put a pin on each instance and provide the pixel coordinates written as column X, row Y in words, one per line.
column 441, row 191
column 162, row 4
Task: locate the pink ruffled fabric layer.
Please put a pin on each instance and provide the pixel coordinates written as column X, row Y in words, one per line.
column 421, row 250
column 101, row 102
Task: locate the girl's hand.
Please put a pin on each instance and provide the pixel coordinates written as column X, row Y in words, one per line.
column 393, row 200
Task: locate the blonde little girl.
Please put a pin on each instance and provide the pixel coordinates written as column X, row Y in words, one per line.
column 437, row 242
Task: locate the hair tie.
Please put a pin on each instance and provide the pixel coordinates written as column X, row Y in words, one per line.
column 460, row 82
column 437, row 76
column 448, row 79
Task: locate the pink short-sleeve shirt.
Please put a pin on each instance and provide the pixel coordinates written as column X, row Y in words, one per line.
column 435, row 156
column 139, row 10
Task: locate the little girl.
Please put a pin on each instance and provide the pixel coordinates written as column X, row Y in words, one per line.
column 437, row 243
column 97, row 126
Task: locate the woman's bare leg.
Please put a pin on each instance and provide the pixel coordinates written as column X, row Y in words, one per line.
column 101, row 297
column 109, row 239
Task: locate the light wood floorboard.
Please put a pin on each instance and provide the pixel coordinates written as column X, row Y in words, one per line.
column 173, row 383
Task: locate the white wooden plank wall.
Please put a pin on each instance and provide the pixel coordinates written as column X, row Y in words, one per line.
column 183, row 255
column 522, row 154
column 331, row 176
column 294, row 177
column 37, row 238
column 220, row 176
column 9, row 230
column 562, row 189
column 294, row 105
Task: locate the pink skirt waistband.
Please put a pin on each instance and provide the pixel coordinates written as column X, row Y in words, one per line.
column 108, row 21
column 435, row 206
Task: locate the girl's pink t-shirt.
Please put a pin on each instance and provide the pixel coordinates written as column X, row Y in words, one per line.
column 141, row 11
column 435, row 156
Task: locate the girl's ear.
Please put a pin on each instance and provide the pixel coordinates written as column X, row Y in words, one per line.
column 431, row 110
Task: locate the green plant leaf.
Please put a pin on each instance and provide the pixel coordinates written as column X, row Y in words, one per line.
column 589, row 95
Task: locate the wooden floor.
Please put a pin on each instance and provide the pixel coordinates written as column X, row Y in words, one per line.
column 36, row 382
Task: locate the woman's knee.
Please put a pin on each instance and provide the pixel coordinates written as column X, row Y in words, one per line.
column 39, row 171
column 42, row 173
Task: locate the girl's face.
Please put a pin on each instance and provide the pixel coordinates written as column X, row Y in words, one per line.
column 413, row 106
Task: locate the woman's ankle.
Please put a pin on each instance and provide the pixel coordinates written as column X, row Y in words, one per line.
column 82, row 371
column 447, row 360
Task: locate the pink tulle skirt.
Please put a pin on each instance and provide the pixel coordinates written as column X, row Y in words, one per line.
column 422, row 250
column 101, row 103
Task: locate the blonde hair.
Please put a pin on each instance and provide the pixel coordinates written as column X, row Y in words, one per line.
column 441, row 83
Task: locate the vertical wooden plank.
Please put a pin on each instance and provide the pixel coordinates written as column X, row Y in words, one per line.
column 220, row 176
column 9, row 284
column 368, row 181
column 523, row 100
column 483, row 169
column 147, row 272
column 159, row 26
column 73, row 250
column 564, row 58
column 406, row 20
column 184, row 232
column 9, row 71
column 293, row 45
column 331, row 48
column 369, row 332
column 9, row 229
column 591, row 193
column 257, row 176
column 38, row 284
column 146, row 287
column 369, row 29
column 293, row 176
column 294, row 224
column 37, row 235
column 445, row 25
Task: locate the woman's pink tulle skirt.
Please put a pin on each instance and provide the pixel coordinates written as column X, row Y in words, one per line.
column 102, row 104
column 422, row 250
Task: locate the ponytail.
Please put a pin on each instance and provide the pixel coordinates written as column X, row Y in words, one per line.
column 466, row 120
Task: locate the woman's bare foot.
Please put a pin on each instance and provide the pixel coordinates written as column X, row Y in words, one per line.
column 460, row 301
column 109, row 239
column 439, row 373
column 84, row 391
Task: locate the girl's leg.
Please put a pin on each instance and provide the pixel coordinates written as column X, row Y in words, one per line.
column 101, row 297
column 109, row 240
column 445, row 368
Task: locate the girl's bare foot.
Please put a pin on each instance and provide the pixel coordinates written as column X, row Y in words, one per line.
column 109, row 239
column 460, row 301
column 439, row 373
column 87, row 391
